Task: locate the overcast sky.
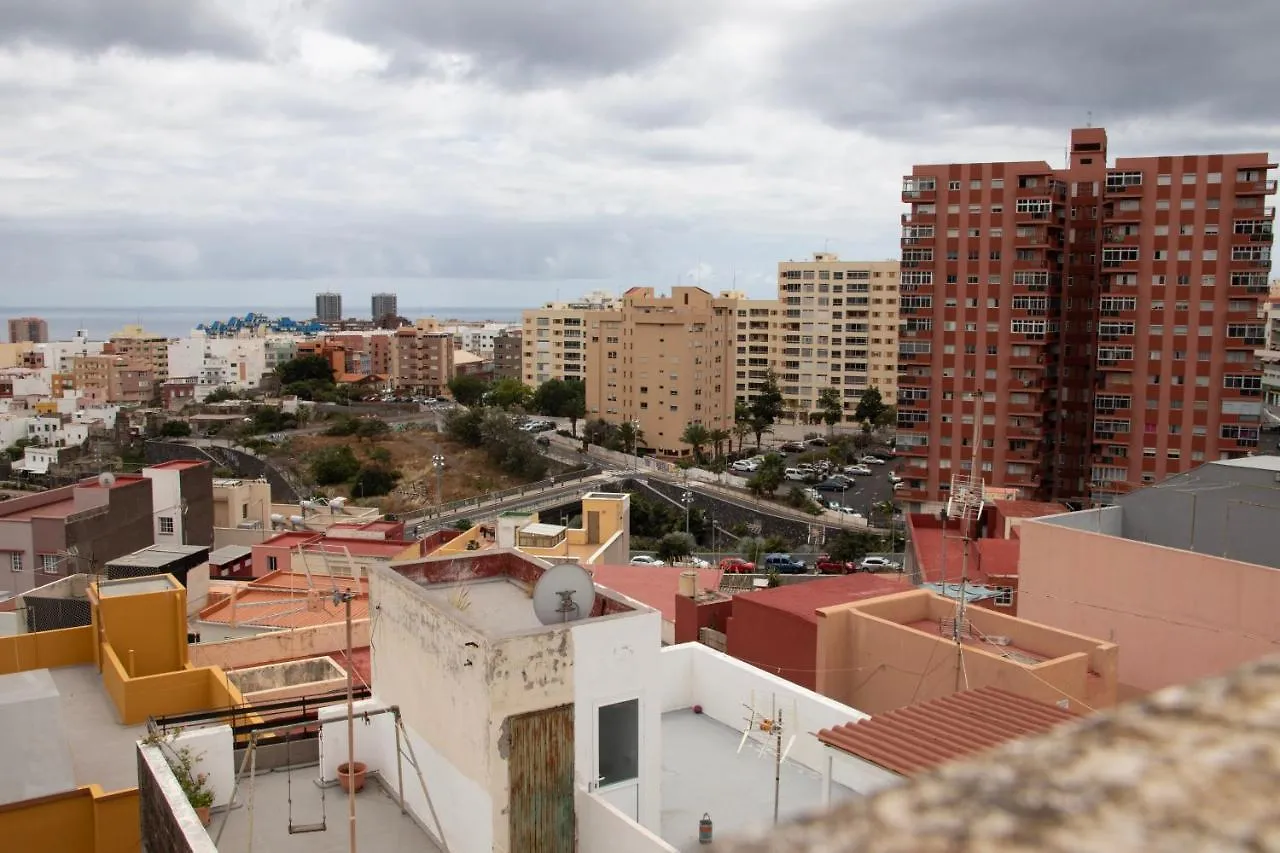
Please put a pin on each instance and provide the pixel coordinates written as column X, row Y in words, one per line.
column 479, row 152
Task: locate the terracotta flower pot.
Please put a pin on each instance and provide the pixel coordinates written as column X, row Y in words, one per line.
column 202, row 812
column 351, row 778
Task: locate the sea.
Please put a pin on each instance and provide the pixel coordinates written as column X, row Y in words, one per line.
column 177, row 321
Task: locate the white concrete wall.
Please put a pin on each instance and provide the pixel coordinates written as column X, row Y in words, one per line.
column 166, row 498
column 12, row 624
column 212, row 750
column 436, row 670
column 604, row 828
column 614, row 660
column 694, row 674
column 37, row 760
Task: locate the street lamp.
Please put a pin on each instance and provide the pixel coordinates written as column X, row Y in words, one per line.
column 687, row 500
column 437, row 462
column 635, row 443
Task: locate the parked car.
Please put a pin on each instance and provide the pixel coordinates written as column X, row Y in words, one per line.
column 899, row 485
column 794, row 474
column 644, row 560
column 828, row 566
column 542, row 441
column 853, row 513
column 745, row 466
column 783, row 564
column 835, row 484
column 894, row 478
column 871, row 460
column 737, row 566
column 792, row 447
column 860, row 470
column 818, row 441
column 693, row 562
column 877, row 564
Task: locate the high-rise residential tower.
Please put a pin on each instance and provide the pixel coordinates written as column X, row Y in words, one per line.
column 838, row 329
column 1101, row 319
column 329, row 307
column 384, row 305
column 24, row 330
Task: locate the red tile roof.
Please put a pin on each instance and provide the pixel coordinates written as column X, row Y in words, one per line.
column 655, row 586
column 803, row 599
column 920, row 737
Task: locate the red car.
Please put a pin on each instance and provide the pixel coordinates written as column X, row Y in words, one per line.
column 827, row 566
column 737, row 566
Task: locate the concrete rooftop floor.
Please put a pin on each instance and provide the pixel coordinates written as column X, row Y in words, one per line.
column 380, row 828
column 702, row 771
column 102, row 750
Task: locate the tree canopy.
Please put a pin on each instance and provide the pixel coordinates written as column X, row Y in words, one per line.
column 832, row 406
column 467, row 390
column 305, row 368
column 871, row 406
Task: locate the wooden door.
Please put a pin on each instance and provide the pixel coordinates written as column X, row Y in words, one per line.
column 540, row 769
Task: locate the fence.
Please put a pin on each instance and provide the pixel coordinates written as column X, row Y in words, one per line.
column 584, row 473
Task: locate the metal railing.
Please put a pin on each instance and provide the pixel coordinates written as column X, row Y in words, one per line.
column 424, row 513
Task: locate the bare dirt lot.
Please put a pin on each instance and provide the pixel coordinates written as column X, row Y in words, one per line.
column 467, row 470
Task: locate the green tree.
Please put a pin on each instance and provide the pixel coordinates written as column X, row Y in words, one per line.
column 343, row 425
column 741, row 429
column 381, row 456
column 675, row 546
column 463, row 426
column 768, row 476
column 832, row 407
column 372, row 428
column 220, row 395
column 767, row 406
column 849, row 546
column 629, row 436
column 334, row 465
column 175, row 429
column 305, row 368
column 797, row 499
column 870, row 407
column 575, row 408
column 467, row 390
column 696, row 436
column 718, row 437
column 510, row 394
column 551, row 397
column 751, row 548
column 888, row 417
column 374, row 480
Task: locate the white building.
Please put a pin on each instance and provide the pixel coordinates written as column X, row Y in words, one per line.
column 477, row 338
column 27, row 382
column 1269, row 356
column 219, row 362
column 54, row 431
column 60, row 355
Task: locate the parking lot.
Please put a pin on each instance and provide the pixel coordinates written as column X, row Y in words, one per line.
column 863, row 493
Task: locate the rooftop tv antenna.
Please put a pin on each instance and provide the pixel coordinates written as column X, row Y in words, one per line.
column 964, row 505
column 564, row 593
column 768, row 731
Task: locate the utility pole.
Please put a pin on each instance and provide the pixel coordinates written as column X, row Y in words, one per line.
column 437, row 462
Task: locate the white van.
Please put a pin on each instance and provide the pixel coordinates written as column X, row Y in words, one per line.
column 794, row 474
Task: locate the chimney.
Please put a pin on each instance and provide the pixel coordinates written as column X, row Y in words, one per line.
column 689, row 583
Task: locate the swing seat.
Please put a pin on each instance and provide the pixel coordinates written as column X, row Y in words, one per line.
column 302, row 828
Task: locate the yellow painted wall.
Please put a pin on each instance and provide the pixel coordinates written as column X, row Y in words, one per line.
column 152, row 625
column 180, row 692
column 46, row 649
column 84, row 820
column 11, row 354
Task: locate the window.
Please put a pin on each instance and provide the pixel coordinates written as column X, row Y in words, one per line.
column 1188, row 178
column 15, row 561
column 1120, row 180
column 1164, row 180
column 618, row 742
column 953, row 185
column 166, row 525
column 49, row 563
column 1004, row 596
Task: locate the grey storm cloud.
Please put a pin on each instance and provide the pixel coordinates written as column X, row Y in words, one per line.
column 149, row 26
column 522, row 44
column 918, row 66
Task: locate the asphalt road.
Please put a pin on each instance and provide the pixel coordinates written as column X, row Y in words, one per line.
column 866, row 492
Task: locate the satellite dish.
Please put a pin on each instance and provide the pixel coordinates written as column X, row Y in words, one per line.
column 277, row 518
column 564, row 593
column 297, row 521
column 106, row 479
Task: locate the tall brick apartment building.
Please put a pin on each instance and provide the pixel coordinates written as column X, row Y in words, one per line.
column 1107, row 316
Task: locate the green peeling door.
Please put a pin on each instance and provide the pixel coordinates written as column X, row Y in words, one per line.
column 540, row 765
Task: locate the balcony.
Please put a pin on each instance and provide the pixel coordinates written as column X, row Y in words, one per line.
column 1255, row 187
column 919, row 190
column 919, row 217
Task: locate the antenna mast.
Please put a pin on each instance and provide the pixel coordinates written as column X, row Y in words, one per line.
column 964, row 504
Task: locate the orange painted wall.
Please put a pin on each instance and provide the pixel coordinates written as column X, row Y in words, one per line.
column 46, row 649
column 151, row 625
column 1177, row 615
column 84, row 820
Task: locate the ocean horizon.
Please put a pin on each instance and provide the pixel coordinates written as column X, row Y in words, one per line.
column 178, row 321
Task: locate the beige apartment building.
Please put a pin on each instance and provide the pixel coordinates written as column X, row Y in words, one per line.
column 663, row 362
column 554, row 338
column 114, row 379
column 135, row 343
column 755, row 339
column 422, row 358
column 839, row 328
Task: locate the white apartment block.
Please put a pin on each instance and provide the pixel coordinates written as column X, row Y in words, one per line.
column 555, row 338
column 60, row 355
column 839, row 328
column 477, row 338
column 237, row 363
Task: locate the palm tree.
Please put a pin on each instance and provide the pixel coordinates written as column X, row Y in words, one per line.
column 630, row 436
column 741, row 430
column 718, row 437
column 697, row 437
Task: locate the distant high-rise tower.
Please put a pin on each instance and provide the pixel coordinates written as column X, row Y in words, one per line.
column 384, row 305
column 329, row 307
column 28, row 330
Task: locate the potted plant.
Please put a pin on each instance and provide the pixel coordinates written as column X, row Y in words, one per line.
column 194, row 784
column 182, row 761
column 350, row 778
